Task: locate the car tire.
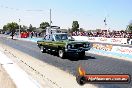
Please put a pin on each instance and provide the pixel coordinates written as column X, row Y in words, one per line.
column 42, row 49
column 82, row 54
column 61, row 54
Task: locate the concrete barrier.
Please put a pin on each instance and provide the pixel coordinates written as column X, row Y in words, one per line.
column 102, row 39
column 112, row 50
column 83, row 38
column 105, row 46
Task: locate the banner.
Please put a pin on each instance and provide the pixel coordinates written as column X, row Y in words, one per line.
column 80, row 38
column 119, row 40
column 103, row 47
column 92, row 39
column 102, row 39
column 123, row 50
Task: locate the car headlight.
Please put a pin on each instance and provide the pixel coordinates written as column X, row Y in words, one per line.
column 68, row 46
column 86, row 45
column 72, row 46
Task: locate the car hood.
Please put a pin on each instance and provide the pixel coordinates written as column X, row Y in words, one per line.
column 68, row 42
column 74, row 41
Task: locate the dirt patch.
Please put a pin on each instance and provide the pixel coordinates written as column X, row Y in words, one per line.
column 5, row 80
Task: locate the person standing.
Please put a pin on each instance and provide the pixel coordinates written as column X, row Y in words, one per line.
column 12, row 33
column 36, row 34
column 39, row 34
column 31, row 34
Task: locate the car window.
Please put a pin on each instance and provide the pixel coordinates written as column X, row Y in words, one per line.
column 61, row 37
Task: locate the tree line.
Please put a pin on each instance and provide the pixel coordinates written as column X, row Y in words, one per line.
column 11, row 27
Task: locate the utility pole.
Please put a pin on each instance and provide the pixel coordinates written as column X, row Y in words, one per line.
column 49, row 29
column 50, row 18
column 19, row 29
column 105, row 24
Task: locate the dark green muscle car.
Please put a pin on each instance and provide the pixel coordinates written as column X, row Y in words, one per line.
column 63, row 45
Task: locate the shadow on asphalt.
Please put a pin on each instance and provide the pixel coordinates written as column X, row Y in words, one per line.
column 77, row 59
column 13, row 39
column 90, row 57
column 73, row 57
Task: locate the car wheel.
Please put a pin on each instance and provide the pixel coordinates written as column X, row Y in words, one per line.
column 82, row 54
column 42, row 49
column 61, row 54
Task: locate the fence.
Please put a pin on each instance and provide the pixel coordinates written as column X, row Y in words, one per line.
column 104, row 40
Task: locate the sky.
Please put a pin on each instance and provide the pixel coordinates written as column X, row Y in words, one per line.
column 90, row 14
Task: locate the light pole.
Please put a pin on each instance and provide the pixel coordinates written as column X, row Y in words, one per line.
column 50, row 19
column 19, row 29
column 105, row 24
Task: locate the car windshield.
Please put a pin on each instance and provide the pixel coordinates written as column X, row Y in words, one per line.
column 59, row 37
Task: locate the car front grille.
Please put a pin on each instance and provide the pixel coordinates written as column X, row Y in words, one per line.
column 78, row 46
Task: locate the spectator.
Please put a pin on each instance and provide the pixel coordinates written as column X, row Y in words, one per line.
column 32, row 34
column 36, row 34
column 105, row 33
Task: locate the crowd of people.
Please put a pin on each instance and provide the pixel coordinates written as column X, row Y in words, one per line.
column 105, row 33
column 36, row 34
column 79, row 34
column 31, row 34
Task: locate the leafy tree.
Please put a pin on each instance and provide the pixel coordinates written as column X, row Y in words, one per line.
column 89, row 31
column 31, row 28
column 11, row 27
column 98, row 30
column 129, row 27
column 75, row 26
column 81, row 30
column 43, row 25
column 69, row 30
column 5, row 28
column 23, row 28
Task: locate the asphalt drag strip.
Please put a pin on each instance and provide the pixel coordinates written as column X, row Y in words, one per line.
column 94, row 64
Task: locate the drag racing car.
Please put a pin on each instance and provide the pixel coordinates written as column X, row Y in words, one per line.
column 63, row 45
